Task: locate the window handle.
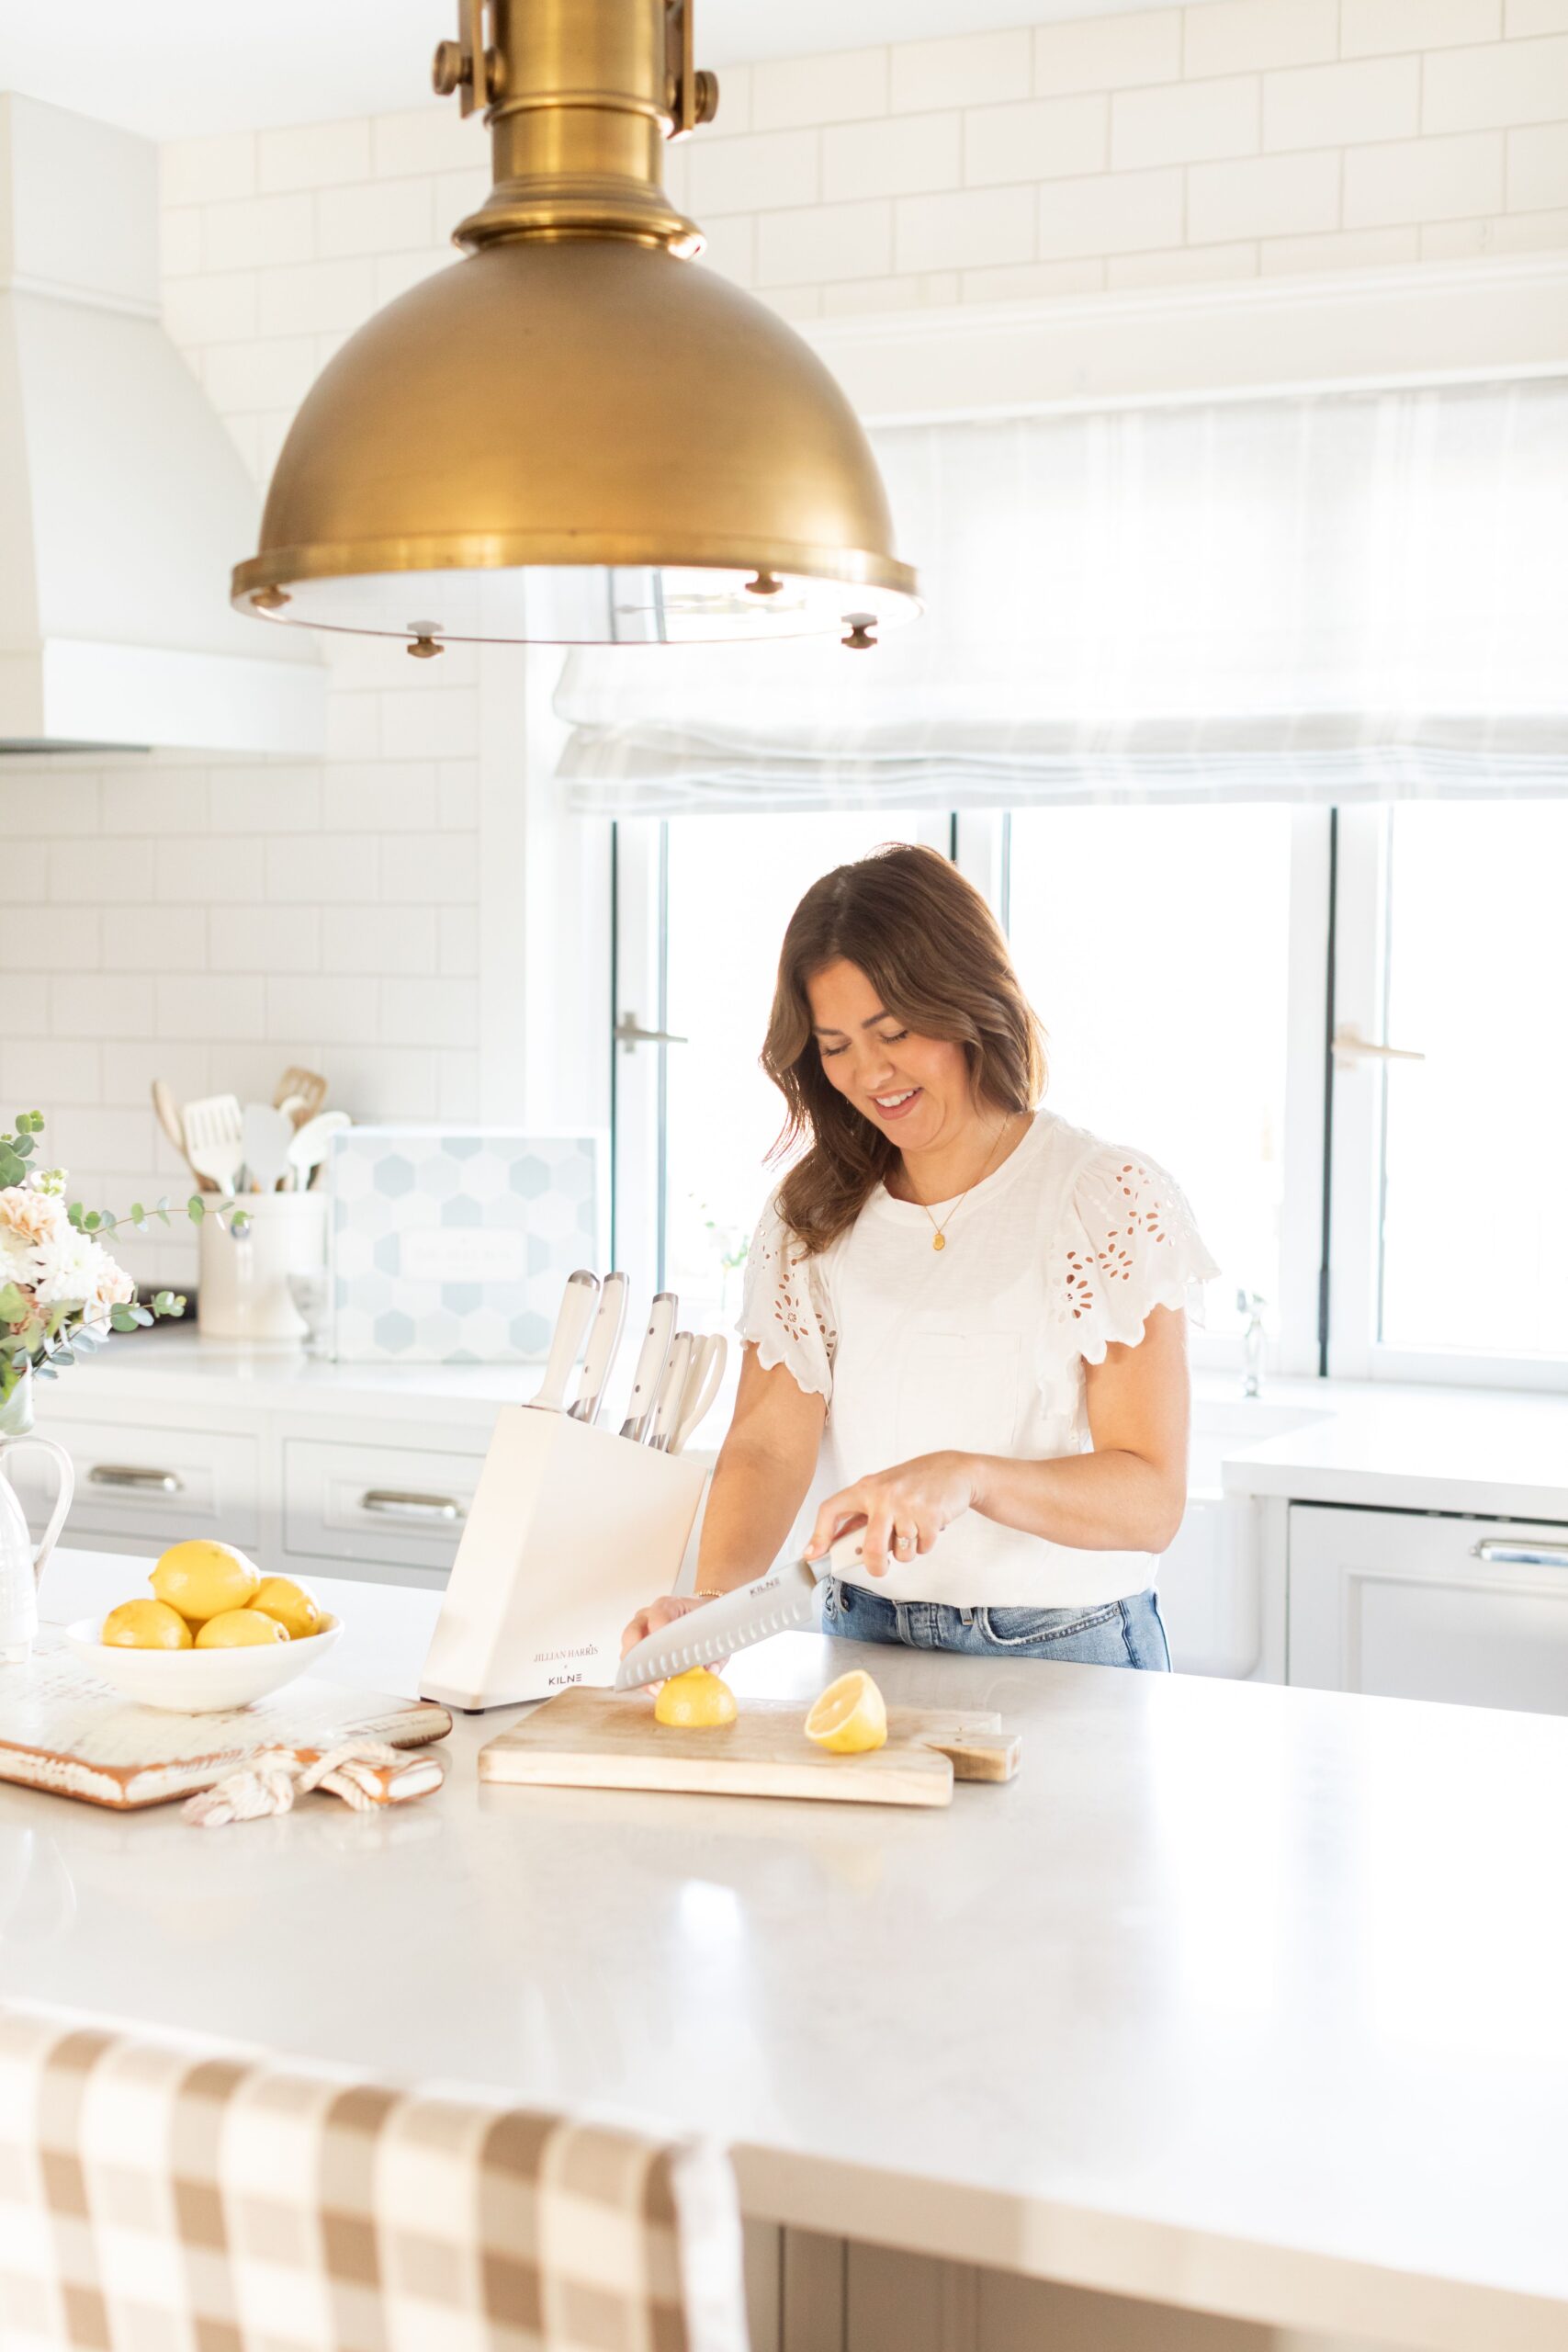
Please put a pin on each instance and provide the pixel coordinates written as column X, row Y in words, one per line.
column 628, row 1033
column 1520, row 1556
column 1350, row 1046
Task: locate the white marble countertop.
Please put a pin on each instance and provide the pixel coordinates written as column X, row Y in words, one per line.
column 1501, row 1451
column 1243, row 1998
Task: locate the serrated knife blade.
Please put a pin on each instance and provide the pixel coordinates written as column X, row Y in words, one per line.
column 781, row 1603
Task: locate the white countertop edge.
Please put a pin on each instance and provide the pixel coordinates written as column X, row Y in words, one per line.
column 1120, row 2254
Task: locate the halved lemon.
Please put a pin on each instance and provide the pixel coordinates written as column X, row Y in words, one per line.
column 696, row 1700
column 849, row 1717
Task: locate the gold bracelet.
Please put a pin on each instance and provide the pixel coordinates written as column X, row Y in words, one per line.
column 708, row 1592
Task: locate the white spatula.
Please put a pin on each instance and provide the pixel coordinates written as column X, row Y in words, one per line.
column 212, row 1138
column 309, row 1145
column 264, row 1137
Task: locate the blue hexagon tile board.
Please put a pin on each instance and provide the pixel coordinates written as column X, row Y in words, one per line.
column 454, row 1248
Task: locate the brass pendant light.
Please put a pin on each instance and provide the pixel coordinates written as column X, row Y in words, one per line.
column 573, row 435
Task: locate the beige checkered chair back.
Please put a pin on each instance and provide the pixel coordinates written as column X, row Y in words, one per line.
column 155, row 2198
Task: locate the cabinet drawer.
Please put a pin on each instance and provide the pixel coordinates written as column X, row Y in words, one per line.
column 368, row 1503
column 1416, row 1605
column 156, row 1483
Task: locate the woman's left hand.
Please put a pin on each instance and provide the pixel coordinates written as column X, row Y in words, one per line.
column 905, row 1510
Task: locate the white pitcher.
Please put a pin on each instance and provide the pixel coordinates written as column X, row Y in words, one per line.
column 20, row 1566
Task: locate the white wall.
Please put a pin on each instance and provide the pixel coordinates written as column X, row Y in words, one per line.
column 211, row 922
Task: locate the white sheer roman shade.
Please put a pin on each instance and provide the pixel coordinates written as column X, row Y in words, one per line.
column 1353, row 596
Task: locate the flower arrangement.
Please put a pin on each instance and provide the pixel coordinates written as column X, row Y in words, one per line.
column 61, row 1291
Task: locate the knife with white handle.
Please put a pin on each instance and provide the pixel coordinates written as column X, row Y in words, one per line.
column 781, row 1603
column 667, row 1405
column 649, row 1366
column 572, row 1329
column 704, row 1374
column 603, row 1341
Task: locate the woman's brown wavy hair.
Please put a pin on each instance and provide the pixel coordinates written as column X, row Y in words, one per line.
column 930, row 946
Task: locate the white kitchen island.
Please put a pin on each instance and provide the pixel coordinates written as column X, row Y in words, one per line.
column 1242, row 2000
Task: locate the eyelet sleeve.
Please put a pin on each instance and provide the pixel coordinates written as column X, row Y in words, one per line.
column 1128, row 1243
column 785, row 1311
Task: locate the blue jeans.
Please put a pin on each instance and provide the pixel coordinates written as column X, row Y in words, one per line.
column 1110, row 1633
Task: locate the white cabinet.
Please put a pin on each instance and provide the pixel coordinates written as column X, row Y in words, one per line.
column 364, row 1509
column 148, row 1484
column 1425, row 1605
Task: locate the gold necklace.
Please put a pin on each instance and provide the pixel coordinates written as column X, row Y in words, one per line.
column 939, row 1232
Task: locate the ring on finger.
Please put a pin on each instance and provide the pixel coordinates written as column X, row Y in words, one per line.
column 903, row 1540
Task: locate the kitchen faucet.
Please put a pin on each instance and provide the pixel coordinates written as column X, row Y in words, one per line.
column 1250, row 1303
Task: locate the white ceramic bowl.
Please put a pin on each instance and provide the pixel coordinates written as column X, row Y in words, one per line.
column 193, row 1681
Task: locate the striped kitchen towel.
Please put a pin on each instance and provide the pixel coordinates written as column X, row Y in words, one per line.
column 160, row 2197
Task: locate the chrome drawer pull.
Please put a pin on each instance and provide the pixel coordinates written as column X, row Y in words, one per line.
column 145, row 1482
column 391, row 1505
column 1520, row 1556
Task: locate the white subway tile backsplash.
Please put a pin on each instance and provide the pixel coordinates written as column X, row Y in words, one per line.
column 731, row 247
column 786, row 92
column 220, row 307
column 205, row 870
column 381, row 796
column 1524, row 18
column 335, row 1011
column 131, row 1064
column 257, row 230
column 154, row 939
column 1183, row 265
column 430, row 722
column 375, row 218
column 430, row 1011
column 91, row 1005
column 1537, row 168
column 313, row 154
column 204, row 171
column 824, row 242
column 967, row 69
column 384, row 939
column 323, row 869
column 38, row 1073
column 1339, row 249
column 1108, row 53
column 26, row 868
column 258, row 375
column 1376, row 27
column 794, row 301
column 217, row 1007
column 395, row 273
column 386, row 1081
column 459, row 953
column 1241, row 35
column 179, row 242
column 904, row 155
column 55, row 801
column 1424, row 179
column 90, row 871
column 1491, row 89
column 964, row 230
column 1038, row 139
column 1264, row 196
column 1033, row 281
column 304, row 297
column 460, row 795
column 430, row 869
column 1191, row 122
column 271, row 799
column 265, row 939
column 154, row 801
column 459, row 1086
column 427, row 140
column 764, row 169
column 354, row 726
column 1513, row 232
column 1119, row 212
column 1331, row 106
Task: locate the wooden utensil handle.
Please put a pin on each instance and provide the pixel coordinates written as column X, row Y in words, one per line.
column 980, row 1755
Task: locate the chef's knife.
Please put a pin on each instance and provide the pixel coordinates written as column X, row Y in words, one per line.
column 667, row 1405
column 603, row 1341
column 649, row 1367
column 704, row 1374
column 781, row 1603
column 572, row 1329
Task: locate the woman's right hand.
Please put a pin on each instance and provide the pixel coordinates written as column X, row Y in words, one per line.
column 656, row 1615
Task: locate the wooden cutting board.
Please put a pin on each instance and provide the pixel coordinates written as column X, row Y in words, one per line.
column 606, row 1739
column 63, row 1730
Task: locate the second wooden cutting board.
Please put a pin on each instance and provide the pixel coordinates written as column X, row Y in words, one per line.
column 602, row 1739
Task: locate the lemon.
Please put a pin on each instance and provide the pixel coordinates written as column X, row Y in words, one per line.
column 201, row 1578
column 298, row 1612
column 849, row 1717
column 695, row 1702
column 237, row 1628
column 146, row 1625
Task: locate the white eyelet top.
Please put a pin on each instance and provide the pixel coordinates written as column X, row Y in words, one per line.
column 981, row 1345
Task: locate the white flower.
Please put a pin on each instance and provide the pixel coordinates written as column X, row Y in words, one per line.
column 71, row 1270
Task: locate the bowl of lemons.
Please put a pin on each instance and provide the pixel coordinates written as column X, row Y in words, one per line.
column 213, row 1632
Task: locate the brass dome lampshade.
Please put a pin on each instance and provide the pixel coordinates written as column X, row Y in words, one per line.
column 573, row 435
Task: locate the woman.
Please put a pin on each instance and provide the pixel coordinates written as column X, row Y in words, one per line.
column 952, row 1296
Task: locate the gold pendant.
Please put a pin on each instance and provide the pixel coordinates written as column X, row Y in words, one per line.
column 938, row 1243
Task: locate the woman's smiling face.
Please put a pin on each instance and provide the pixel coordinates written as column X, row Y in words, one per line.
column 916, row 1090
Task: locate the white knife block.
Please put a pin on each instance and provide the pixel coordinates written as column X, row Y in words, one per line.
column 571, row 1529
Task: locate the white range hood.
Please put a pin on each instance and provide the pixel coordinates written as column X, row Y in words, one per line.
column 123, row 502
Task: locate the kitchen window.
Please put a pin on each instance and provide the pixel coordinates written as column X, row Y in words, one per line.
column 1179, row 959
